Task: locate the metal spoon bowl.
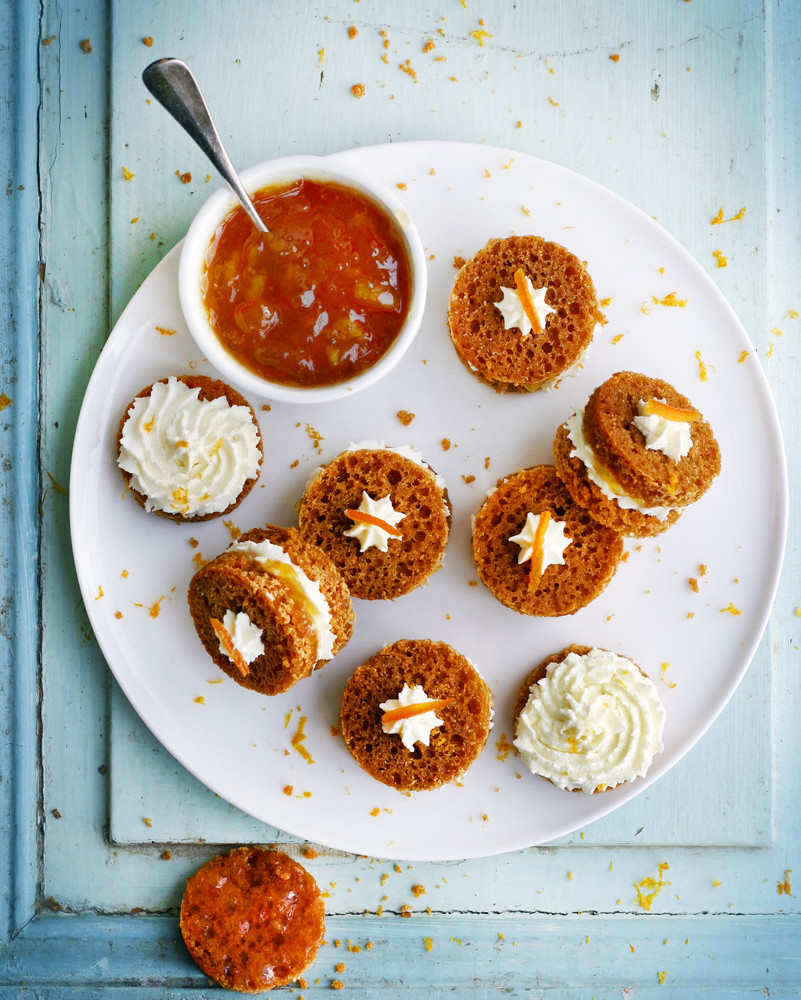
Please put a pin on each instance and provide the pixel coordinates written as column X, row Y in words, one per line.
column 174, row 86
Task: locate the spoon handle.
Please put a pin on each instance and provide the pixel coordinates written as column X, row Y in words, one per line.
column 173, row 85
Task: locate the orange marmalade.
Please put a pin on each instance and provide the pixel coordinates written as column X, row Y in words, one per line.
column 318, row 299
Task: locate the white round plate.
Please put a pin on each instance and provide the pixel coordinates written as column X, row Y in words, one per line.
column 134, row 568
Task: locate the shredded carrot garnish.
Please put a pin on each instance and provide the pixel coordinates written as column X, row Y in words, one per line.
column 358, row 515
column 409, row 711
column 230, row 648
column 535, row 572
column 526, row 300
column 654, row 408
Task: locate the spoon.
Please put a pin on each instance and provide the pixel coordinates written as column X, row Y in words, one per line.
column 174, row 86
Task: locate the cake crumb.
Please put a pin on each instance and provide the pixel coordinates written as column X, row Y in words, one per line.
column 428, row 944
column 86, row 45
column 148, row 41
column 353, row 31
column 406, row 910
column 469, row 479
column 405, row 417
column 615, row 57
column 720, row 260
column 730, row 610
column 127, row 175
column 418, row 891
column 429, row 45
column 337, row 984
column 785, row 888
column 407, row 68
column 184, row 177
column 446, row 444
column 147, row 821
column 288, row 789
column 503, row 746
column 693, row 582
column 340, row 967
column 310, row 854
column 459, row 262
column 662, row 976
column 357, row 90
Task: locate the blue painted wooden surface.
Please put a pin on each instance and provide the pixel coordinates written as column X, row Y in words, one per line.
column 701, row 111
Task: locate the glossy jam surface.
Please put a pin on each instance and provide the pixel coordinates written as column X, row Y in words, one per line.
column 318, row 299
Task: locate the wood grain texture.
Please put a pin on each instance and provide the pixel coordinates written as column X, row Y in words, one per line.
column 679, row 125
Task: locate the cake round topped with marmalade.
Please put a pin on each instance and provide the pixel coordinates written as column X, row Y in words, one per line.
column 270, row 609
column 383, row 517
column 416, row 715
column 637, row 455
column 189, row 448
column 538, row 551
column 522, row 312
column 252, row 919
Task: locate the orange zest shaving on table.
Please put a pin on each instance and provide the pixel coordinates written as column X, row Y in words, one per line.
column 655, row 408
column 526, row 300
column 409, row 711
column 230, row 648
column 535, row 572
column 358, row 515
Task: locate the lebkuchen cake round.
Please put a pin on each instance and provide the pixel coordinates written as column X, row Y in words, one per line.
column 537, row 550
column 637, row 455
column 382, row 515
column 416, row 715
column 252, row 919
column 270, row 609
column 189, row 448
column 522, row 312
column 588, row 719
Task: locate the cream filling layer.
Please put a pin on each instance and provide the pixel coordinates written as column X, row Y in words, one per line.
column 305, row 591
column 601, row 476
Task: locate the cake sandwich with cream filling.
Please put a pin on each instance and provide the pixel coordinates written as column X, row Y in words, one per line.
column 270, row 609
column 189, row 448
column 637, row 454
column 416, row 715
column 538, row 551
column 383, row 516
column 522, row 312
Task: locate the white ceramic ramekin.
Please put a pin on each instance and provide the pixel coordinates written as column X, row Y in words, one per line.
column 198, row 239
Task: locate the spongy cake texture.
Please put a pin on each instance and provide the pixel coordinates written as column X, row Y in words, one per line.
column 505, row 358
column 412, row 557
column 590, row 560
column 209, row 389
column 252, row 919
column 443, row 673
column 619, row 446
column 233, row 581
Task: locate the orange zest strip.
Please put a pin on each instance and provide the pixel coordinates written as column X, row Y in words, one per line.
column 654, row 408
column 526, row 300
column 535, row 572
column 409, row 711
column 358, row 515
column 230, row 648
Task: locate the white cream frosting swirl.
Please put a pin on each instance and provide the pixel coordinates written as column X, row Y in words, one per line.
column 593, row 722
column 245, row 636
column 598, row 474
column 305, row 591
column 513, row 312
column 554, row 542
column 417, row 728
column 373, row 535
column 672, row 437
column 186, row 455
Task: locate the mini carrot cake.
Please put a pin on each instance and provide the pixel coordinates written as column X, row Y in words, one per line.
column 252, row 919
column 416, row 715
column 537, row 551
column 522, row 312
column 637, row 455
column 270, row 609
column 189, row 448
column 588, row 720
column 382, row 515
